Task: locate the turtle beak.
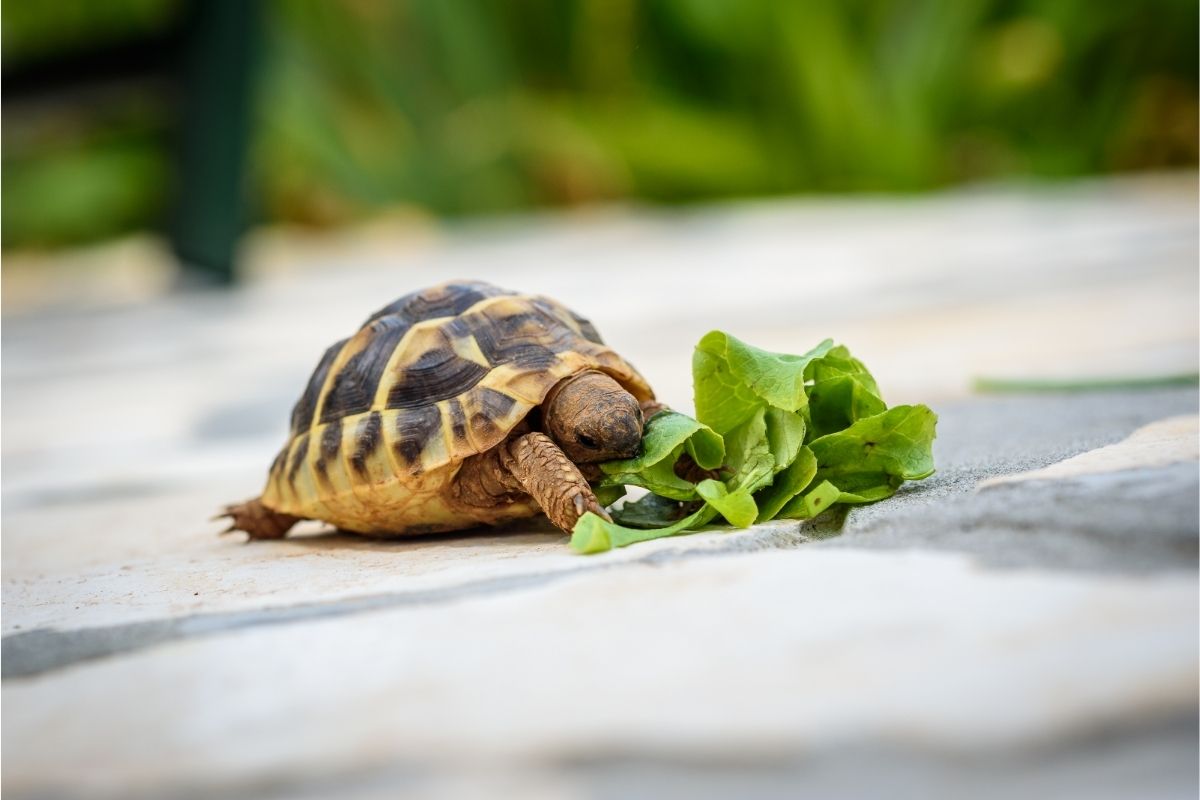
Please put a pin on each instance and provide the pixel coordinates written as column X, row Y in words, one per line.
column 626, row 437
column 610, row 437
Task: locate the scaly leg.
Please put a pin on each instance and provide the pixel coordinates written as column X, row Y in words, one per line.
column 257, row 520
column 544, row 471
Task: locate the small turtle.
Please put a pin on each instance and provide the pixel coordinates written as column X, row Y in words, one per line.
column 459, row 405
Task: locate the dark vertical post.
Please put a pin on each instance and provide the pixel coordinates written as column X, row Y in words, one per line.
column 219, row 49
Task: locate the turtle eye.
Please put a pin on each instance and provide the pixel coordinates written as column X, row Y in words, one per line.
column 586, row 441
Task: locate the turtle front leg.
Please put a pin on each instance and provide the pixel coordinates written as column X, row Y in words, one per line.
column 544, row 471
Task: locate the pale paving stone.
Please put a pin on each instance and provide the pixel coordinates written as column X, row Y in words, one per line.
column 759, row 656
column 55, row 575
column 1168, row 441
column 148, row 554
column 121, row 443
column 125, row 427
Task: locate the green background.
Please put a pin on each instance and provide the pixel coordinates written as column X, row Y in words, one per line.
column 461, row 107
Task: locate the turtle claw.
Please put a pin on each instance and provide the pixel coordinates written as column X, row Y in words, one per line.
column 226, row 514
column 256, row 520
column 585, row 504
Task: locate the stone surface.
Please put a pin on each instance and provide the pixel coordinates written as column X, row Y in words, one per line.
column 67, row 599
column 816, row 649
column 1035, row 637
column 1169, row 441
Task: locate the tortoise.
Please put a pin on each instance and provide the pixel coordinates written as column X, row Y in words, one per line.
column 455, row 406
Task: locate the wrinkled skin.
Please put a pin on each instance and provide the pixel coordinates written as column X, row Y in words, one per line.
column 593, row 419
column 588, row 418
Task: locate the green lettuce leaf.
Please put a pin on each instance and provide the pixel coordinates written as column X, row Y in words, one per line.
column 732, row 380
column 649, row 511
column 791, row 436
column 842, row 392
column 787, row 485
column 593, row 535
column 868, row 460
column 785, row 435
column 607, row 495
column 812, row 502
column 667, row 436
column 749, row 454
column 736, row 507
column 825, row 495
column 898, row 442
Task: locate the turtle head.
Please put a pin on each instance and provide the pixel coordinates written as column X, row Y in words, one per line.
column 592, row 418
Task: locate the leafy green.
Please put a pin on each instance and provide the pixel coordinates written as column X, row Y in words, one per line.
column 791, row 436
column 731, row 380
column 736, row 506
column 785, row 435
column 749, row 454
column 812, row 502
column 650, row 511
column 895, row 442
column 668, row 435
column 788, row 484
column 593, row 535
column 842, row 392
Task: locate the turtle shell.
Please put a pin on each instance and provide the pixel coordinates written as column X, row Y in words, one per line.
column 434, row 378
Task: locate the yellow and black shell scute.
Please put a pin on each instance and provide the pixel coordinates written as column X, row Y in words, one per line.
column 438, row 376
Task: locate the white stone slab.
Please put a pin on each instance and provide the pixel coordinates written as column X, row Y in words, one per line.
column 126, row 426
column 760, row 656
column 1159, row 444
column 135, row 559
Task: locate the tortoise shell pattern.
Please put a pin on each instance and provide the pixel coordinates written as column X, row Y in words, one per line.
column 429, row 380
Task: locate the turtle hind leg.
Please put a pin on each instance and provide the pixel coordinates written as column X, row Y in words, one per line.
column 257, row 520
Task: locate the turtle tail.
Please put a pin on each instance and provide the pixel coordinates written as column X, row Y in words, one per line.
column 257, row 520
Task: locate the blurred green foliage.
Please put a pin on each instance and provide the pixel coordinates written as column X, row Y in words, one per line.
column 477, row 106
